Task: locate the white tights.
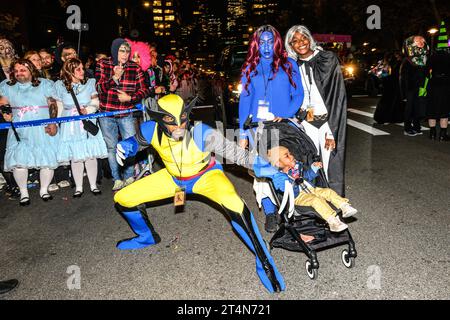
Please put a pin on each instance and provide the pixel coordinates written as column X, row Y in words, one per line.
column 21, row 177
column 78, row 170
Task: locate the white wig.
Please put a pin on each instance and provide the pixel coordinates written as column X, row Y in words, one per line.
column 304, row 31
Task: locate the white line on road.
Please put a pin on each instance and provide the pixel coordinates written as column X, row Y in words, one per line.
column 363, row 113
column 366, row 128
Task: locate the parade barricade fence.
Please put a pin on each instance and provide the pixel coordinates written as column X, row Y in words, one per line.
column 45, row 122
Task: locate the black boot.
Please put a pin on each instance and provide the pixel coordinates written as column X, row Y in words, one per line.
column 443, row 135
column 6, row 286
column 432, row 133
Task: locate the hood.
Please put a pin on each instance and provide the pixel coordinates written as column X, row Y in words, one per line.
column 115, row 49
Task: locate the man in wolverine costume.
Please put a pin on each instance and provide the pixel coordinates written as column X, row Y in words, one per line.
column 191, row 169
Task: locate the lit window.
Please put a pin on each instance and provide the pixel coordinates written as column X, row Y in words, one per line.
column 158, row 18
column 157, row 10
column 156, row 25
column 168, row 25
column 168, row 11
column 169, row 18
column 167, row 33
column 169, row 3
column 119, row 12
column 156, row 3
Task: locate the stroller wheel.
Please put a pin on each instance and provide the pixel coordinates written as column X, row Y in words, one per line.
column 312, row 273
column 349, row 262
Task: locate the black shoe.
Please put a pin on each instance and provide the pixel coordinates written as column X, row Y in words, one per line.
column 410, row 133
column 24, row 202
column 77, row 194
column 13, row 193
column 96, row 192
column 271, row 224
column 46, row 197
column 6, row 286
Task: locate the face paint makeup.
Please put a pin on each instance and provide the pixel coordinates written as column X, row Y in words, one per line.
column 266, row 43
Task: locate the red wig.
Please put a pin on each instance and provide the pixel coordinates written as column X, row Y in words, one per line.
column 144, row 53
column 280, row 56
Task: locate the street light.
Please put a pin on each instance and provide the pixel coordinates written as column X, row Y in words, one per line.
column 147, row 4
column 432, row 32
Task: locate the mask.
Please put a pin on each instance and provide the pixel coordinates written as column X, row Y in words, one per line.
column 416, row 49
column 266, row 43
column 6, row 49
column 172, row 111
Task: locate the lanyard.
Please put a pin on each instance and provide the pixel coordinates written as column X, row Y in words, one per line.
column 266, row 85
column 180, row 169
column 308, row 73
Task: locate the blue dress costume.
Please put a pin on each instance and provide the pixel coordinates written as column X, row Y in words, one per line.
column 76, row 144
column 36, row 149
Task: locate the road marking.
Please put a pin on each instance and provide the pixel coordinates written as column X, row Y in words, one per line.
column 366, row 128
column 363, row 113
column 370, row 115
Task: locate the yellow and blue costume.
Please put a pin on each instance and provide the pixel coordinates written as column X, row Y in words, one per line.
column 190, row 166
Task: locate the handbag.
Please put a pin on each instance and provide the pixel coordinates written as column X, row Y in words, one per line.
column 87, row 125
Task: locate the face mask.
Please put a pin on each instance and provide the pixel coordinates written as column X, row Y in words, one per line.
column 266, row 44
column 178, row 134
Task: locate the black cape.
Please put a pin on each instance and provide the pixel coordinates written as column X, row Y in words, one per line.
column 330, row 82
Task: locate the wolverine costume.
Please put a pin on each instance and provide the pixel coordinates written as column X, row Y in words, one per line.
column 190, row 167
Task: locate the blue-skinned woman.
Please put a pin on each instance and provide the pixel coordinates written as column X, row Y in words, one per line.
column 272, row 90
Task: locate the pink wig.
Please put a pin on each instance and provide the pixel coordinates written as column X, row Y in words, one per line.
column 279, row 55
column 144, row 52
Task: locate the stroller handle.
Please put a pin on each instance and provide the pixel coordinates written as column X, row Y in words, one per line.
column 250, row 125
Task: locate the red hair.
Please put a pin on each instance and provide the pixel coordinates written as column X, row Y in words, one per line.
column 144, row 53
column 280, row 56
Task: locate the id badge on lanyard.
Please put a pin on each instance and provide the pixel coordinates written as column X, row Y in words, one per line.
column 180, row 197
column 263, row 110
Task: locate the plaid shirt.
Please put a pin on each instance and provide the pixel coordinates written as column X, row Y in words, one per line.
column 132, row 82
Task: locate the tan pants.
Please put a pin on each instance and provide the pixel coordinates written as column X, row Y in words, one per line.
column 318, row 200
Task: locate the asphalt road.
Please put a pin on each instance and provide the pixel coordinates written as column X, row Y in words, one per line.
column 399, row 184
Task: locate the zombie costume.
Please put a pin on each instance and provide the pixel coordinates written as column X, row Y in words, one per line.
column 412, row 76
column 191, row 168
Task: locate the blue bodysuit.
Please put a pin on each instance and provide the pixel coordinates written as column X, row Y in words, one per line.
column 284, row 100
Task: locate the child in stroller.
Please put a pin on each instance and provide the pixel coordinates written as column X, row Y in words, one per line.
column 306, row 193
column 301, row 228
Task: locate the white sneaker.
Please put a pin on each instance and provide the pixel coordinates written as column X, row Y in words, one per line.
column 118, row 184
column 53, row 187
column 128, row 182
column 348, row 211
column 336, row 225
column 64, row 184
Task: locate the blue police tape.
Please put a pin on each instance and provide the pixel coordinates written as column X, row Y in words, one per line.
column 45, row 122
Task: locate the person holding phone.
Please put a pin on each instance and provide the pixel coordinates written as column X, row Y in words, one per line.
column 120, row 85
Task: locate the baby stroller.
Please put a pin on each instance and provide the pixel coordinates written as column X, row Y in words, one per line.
column 297, row 220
